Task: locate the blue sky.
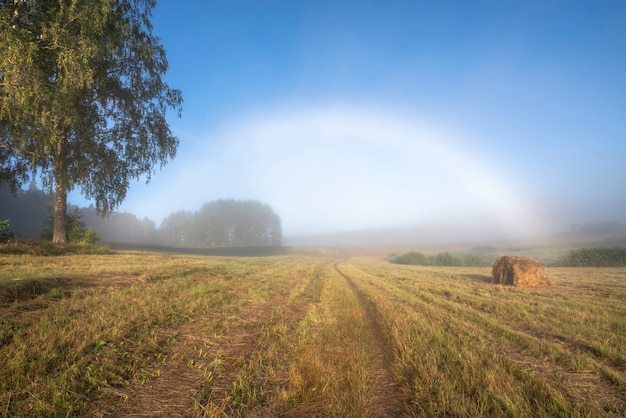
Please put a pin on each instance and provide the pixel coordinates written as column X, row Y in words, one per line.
column 503, row 116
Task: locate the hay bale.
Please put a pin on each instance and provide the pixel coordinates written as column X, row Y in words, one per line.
column 518, row 271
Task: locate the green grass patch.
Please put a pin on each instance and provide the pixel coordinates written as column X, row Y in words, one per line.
column 417, row 258
column 594, row 257
column 47, row 248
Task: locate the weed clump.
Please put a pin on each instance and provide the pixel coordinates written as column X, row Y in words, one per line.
column 5, row 233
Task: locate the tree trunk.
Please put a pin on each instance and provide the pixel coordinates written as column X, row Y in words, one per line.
column 60, row 201
column 60, row 210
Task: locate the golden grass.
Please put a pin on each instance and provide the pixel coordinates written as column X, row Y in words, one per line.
column 468, row 347
column 144, row 333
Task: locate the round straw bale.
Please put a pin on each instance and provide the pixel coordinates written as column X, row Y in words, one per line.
column 518, row 271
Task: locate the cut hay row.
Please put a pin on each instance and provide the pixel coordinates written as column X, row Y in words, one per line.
column 444, row 308
column 143, row 333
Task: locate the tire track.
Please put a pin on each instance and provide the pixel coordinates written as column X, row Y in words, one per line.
column 211, row 345
column 525, row 348
column 385, row 392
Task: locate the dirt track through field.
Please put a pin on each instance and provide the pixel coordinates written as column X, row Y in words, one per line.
column 345, row 337
column 308, row 335
column 385, row 392
column 193, row 351
column 202, row 364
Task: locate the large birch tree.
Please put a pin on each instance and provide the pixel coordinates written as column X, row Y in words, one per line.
column 82, row 100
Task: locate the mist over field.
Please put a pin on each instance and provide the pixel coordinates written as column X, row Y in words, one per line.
column 334, row 169
column 367, row 209
column 478, row 121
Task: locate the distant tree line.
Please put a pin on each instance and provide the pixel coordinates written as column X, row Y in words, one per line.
column 29, row 213
column 25, row 211
column 600, row 256
column 222, row 223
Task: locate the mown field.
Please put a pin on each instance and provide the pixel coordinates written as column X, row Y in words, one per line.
column 138, row 333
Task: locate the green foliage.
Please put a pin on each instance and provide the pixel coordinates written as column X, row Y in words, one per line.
column 594, row 257
column 82, row 100
column 445, row 259
column 77, row 231
column 440, row 259
column 475, row 260
column 412, row 257
column 5, row 233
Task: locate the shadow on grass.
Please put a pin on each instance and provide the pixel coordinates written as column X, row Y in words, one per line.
column 60, row 287
column 478, row 277
column 26, row 289
column 259, row 251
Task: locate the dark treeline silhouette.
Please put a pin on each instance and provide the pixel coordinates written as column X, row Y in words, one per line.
column 222, row 223
column 26, row 210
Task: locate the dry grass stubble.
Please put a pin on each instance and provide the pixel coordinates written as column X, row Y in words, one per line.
column 134, row 334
